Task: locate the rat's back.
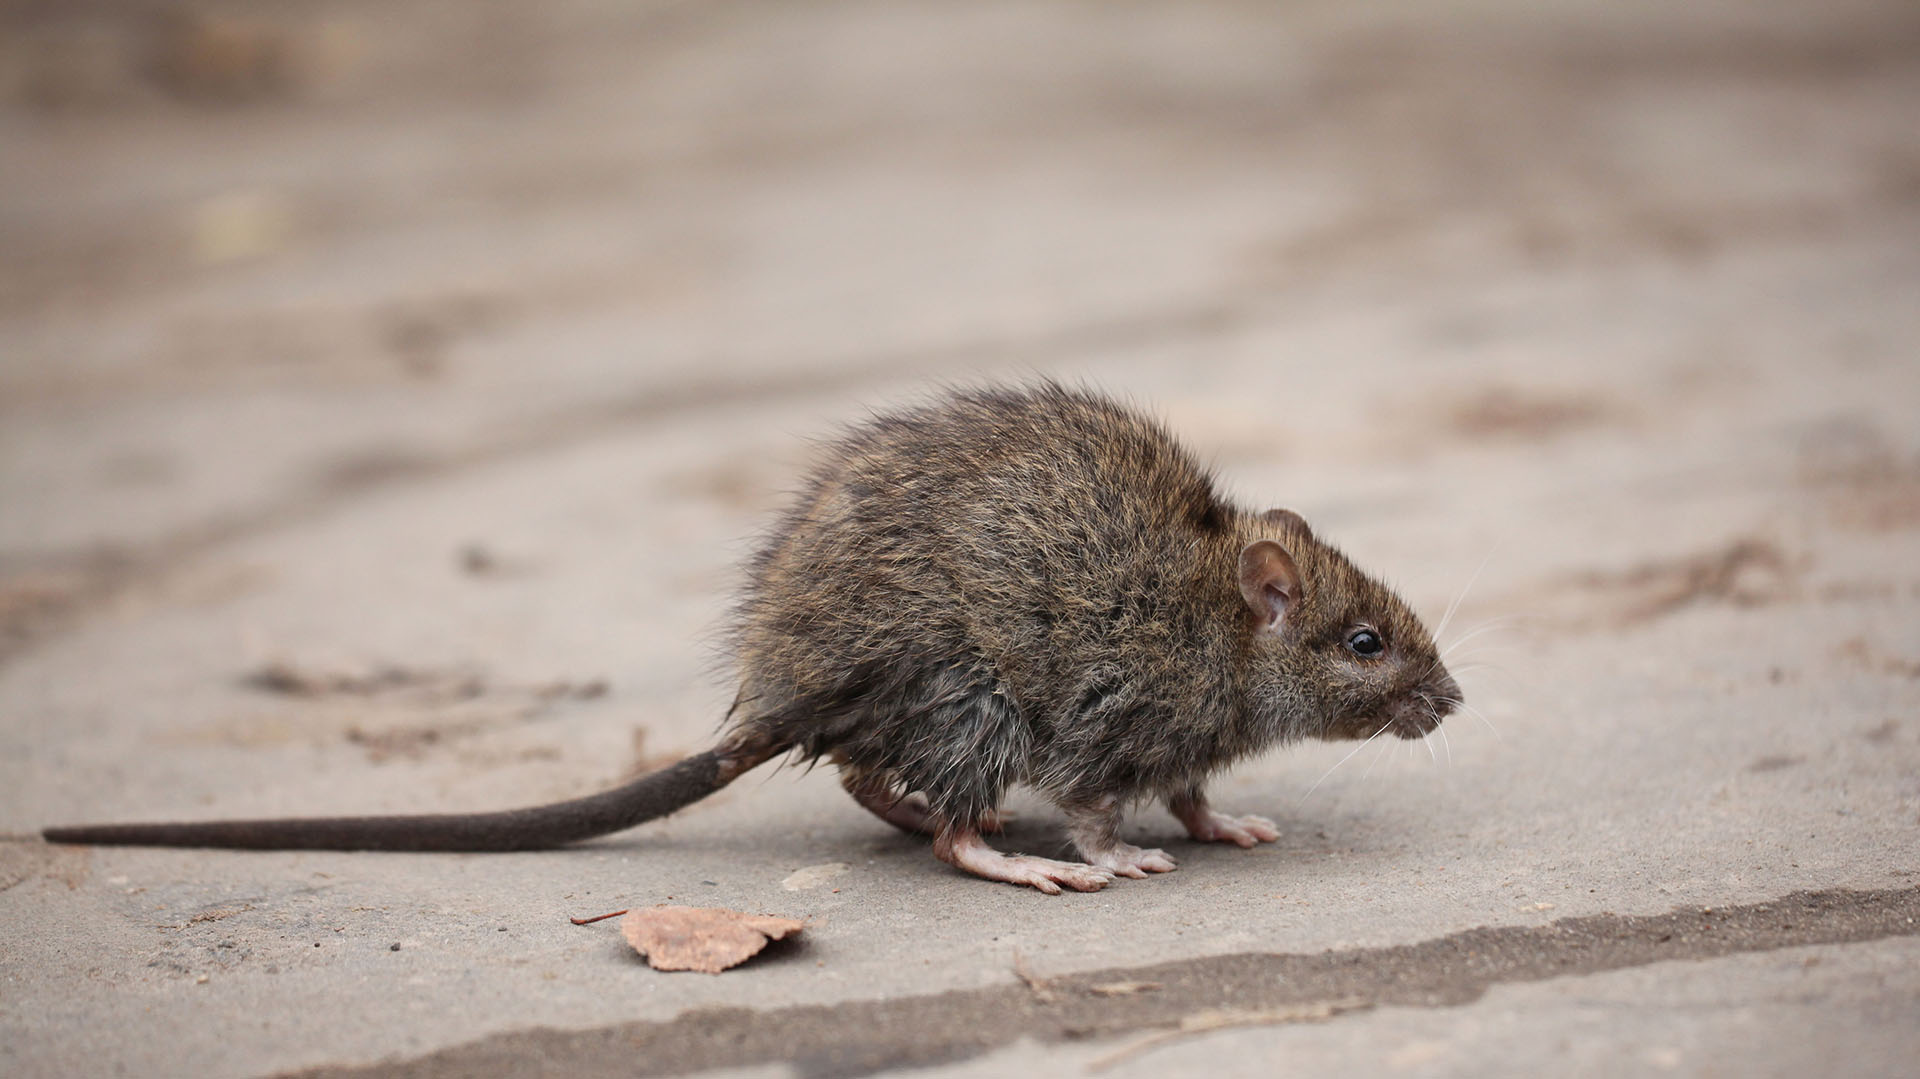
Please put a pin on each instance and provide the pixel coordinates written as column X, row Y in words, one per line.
column 953, row 568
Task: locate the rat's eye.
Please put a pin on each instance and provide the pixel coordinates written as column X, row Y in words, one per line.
column 1365, row 642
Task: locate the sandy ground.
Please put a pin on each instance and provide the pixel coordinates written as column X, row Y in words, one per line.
column 387, row 393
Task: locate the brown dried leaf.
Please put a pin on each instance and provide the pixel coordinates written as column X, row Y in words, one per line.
column 814, row 876
column 706, row 939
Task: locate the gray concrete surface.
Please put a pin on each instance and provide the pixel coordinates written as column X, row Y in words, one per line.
column 476, row 344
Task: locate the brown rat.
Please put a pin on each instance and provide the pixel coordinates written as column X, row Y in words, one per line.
column 1007, row 586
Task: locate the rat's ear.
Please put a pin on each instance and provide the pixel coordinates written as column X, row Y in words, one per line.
column 1288, row 520
column 1270, row 582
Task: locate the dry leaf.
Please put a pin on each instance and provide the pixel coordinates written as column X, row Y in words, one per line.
column 814, row 876
column 706, row 939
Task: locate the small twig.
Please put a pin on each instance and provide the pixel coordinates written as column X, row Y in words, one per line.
column 596, row 918
column 1042, row 988
column 1122, row 989
column 1209, row 1021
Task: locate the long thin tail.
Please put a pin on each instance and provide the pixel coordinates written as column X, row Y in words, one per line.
column 534, row 828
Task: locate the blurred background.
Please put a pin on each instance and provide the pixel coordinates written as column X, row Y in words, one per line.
column 389, row 390
column 555, row 294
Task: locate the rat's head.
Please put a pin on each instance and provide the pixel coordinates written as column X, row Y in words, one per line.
column 1334, row 653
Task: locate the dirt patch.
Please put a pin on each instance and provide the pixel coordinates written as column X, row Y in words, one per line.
column 1867, row 481
column 647, row 760
column 419, row 685
column 426, row 686
column 1745, row 572
column 25, row 857
column 865, row 1037
column 1893, row 506
column 1883, row 734
column 1508, row 413
column 1857, row 653
column 37, row 600
column 51, row 596
column 403, row 711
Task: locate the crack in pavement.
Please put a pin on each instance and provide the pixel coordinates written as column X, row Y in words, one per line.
column 860, row 1038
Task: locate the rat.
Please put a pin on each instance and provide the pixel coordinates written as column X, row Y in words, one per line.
column 1030, row 585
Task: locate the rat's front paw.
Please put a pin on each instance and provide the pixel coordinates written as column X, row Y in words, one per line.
column 1128, row 860
column 1244, row 831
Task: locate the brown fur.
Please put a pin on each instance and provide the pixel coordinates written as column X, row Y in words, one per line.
column 1038, row 586
column 1005, row 586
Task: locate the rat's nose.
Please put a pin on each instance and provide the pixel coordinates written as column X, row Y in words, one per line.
column 1444, row 692
column 1432, row 700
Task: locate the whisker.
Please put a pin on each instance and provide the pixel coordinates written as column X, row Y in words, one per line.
column 1475, row 667
column 1475, row 657
column 1477, row 714
column 1428, row 739
column 1472, row 680
column 1485, row 627
column 1341, row 761
column 1385, row 752
column 1455, row 605
column 1448, row 745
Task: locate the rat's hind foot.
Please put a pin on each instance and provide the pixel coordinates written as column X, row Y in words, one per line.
column 964, row 849
column 1208, row 826
column 908, row 812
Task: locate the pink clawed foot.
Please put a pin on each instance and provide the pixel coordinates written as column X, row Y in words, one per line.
column 1208, row 826
column 964, row 849
column 1127, row 860
column 1094, row 824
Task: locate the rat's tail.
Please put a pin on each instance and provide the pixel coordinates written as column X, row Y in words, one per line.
column 534, row 828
